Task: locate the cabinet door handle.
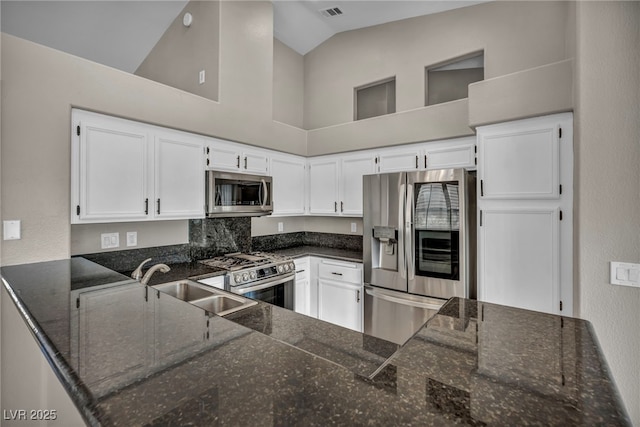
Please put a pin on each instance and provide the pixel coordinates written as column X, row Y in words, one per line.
column 341, row 206
column 335, row 206
column 158, row 206
column 299, row 271
column 245, row 162
column 416, row 162
column 425, row 161
column 146, row 206
column 238, row 159
column 358, row 295
column 337, row 274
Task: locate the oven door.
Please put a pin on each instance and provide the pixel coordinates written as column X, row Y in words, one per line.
column 278, row 291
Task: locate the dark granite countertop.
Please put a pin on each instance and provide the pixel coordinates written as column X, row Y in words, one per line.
column 321, row 251
column 179, row 271
column 473, row 363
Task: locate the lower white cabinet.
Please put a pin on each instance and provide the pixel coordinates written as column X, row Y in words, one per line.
column 340, row 293
column 302, row 302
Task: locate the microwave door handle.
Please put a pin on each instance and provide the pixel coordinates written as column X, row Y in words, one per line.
column 402, row 266
column 409, row 235
column 265, row 196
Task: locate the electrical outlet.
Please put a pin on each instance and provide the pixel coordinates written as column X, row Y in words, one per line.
column 354, row 227
column 110, row 240
column 201, row 77
column 132, row 238
column 11, row 230
column 280, row 227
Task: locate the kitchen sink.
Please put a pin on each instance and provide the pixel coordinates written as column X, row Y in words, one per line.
column 185, row 290
column 208, row 298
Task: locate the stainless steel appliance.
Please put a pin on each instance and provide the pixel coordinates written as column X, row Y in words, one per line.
column 419, row 247
column 233, row 194
column 258, row 275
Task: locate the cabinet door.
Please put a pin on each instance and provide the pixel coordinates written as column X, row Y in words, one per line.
column 224, row 156
column 455, row 153
column 180, row 327
column 323, row 186
column 340, row 303
column 255, row 163
column 179, row 176
column 399, row 160
column 352, row 169
column 113, row 349
column 302, row 293
column 288, row 173
column 520, row 160
column 110, row 170
column 519, row 258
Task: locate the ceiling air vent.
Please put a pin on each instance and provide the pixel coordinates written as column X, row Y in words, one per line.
column 332, row 11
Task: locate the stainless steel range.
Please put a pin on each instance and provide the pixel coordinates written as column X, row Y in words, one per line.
column 259, row 275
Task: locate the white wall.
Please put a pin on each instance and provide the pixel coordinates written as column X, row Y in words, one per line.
column 607, row 202
column 288, row 85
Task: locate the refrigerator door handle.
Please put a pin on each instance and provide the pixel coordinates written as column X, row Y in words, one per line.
column 402, row 263
column 408, row 233
column 403, row 301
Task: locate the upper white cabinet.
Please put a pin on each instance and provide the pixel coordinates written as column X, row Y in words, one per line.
column 233, row 157
column 335, row 183
column 179, row 183
column 323, row 185
column 525, row 213
column 128, row 171
column 110, row 169
column 399, row 159
column 452, row 153
column 289, row 179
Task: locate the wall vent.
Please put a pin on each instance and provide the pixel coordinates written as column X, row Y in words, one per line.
column 331, row 12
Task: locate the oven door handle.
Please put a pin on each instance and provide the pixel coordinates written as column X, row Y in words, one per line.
column 269, row 284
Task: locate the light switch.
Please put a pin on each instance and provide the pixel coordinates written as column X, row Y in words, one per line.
column 625, row 273
column 132, row 238
column 11, row 230
column 109, row 240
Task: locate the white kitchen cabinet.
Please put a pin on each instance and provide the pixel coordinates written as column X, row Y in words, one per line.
column 123, row 170
column 352, row 169
column 179, row 178
column 399, row 159
column 525, row 214
column 302, row 290
column 453, row 153
column 340, row 293
column 323, row 185
column 110, row 169
column 234, row 157
column 335, row 183
column 289, row 189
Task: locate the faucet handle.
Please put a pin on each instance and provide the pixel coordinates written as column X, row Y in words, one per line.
column 137, row 273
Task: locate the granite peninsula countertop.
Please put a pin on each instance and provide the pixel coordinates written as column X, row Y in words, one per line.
column 473, row 363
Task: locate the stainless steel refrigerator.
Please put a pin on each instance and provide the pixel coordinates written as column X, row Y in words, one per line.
column 419, row 247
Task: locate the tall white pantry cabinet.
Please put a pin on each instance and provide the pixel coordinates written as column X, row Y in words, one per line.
column 525, row 213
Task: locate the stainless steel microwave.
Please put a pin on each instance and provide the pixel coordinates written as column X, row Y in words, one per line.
column 234, row 194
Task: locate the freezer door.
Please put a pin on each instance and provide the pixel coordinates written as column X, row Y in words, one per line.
column 383, row 236
column 396, row 316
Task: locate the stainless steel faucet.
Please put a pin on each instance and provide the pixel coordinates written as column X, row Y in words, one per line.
column 147, row 276
column 137, row 273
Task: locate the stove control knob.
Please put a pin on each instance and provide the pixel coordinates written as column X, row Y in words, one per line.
column 280, row 268
column 245, row 277
column 286, row 267
column 237, row 278
column 292, row 266
column 252, row 275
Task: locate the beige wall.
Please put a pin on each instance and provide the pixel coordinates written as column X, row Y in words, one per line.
column 288, row 84
column 607, row 125
column 182, row 52
column 514, row 35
